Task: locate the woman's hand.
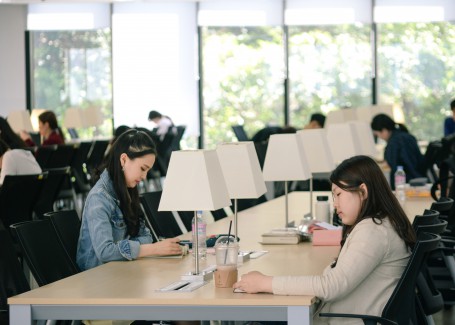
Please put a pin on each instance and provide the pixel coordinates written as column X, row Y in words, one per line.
column 254, row 282
column 167, row 246
column 24, row 135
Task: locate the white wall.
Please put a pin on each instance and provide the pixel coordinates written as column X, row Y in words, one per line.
column 12, row 58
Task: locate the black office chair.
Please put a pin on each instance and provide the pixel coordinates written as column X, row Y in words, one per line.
column 43, row 251
column 12, row 277
column 240, row 133
column 51, row 189
column 67, row 225
column 96, row 156
column 18, row 197
column 429, row 298
column 163, row 223
column 401, row 306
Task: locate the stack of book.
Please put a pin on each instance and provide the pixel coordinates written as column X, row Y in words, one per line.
column 282, row 236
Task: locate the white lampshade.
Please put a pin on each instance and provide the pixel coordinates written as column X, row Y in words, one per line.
column 317, row 150
column 285, row 159
column 241, row 170
column 36, row 112
column 364, row 134
column 19, row 120
column 74, row 118
column 342, row 141
column 93, row 116
column 194, row 181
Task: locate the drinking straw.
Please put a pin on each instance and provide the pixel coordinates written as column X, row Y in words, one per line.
column 229, row 239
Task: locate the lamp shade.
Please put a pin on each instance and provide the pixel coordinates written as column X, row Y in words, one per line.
column 194, row 181
column 74, row 118
column 343, row 142
column 241, row 170
column 363, row 132
column 19, row 120
column 36, row 112
column 93, row 116
column 317, row 150
column 285, row 159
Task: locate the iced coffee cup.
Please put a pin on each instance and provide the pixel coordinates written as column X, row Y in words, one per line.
column 226, row 251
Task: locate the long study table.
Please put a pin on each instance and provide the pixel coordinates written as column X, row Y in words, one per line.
column 128, row 290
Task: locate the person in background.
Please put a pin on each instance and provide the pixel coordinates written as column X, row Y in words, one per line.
column 10, row 137
column 113, row 226
column 265, row 133
column 163, row 124
column 317, row 121
column 16, row 162
column 449, row 122
column 401, row 149
column 375, row 248
column 48, row 129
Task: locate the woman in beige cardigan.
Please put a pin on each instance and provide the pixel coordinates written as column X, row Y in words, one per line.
column 377, row 238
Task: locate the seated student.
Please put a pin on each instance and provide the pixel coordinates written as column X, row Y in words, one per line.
column 449, row 122
column 265, row 133
column 9, row 136
column 317, row 121
column 113, row 227
column 16, row 162
column 375, row 248
column 401, row 150
column 163, row 124
column 48, row 129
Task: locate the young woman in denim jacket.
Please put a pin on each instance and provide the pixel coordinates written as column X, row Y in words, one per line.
column 113, row 228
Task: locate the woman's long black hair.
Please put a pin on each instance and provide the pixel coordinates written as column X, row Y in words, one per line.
column 380, row 202
column 383, row 121
column 9, row 136
column 135, row 144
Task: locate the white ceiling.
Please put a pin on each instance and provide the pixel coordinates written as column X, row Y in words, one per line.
column 91, row 1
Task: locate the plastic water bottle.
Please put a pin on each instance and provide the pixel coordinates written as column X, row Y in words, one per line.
column 201, row 233
column 400, row 182
column 322, row 208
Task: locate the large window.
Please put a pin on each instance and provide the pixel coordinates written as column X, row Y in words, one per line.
column 243, row 80
column 73, row 69
column 416, row 70
column 329, row 68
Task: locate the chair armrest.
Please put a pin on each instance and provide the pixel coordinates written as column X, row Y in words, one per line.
column 367, row 319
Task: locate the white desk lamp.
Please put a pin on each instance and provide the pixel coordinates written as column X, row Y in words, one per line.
column 36, row 112
column 285, row 161
column 19, row 120
column 319, row 156
column 74, row 118
column 343, row 142
column 242, row 172
column 94, row 117
column 194, row 181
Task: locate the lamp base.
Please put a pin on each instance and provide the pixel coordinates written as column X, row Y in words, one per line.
column 291, row 224
column 243, row 257
column 308, row 216
column 203, row 276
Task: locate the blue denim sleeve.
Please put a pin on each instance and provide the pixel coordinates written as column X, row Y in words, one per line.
column 144, row 236
column 107, row 236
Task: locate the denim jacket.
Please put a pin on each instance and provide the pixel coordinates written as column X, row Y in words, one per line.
column 103, row 235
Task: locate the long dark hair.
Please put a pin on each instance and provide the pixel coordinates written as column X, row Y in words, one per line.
column 9, row 136
column 383, row 121
column 135, row 144
column 380, row 202
column 51, row 118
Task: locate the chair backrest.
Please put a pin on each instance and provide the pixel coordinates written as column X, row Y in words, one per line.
column 162, row 222
column 43, row 154
column 175, row 145
column 12, row 278
column 78, row 167
column 67, row 225
column 429, row 217
column 51, row 188
column 430, row 300
column 443, row 205
column 240, row 133
column 96, row 154
column 62, row 156
column 18, row 196
column 43, row 251
column 401, row 305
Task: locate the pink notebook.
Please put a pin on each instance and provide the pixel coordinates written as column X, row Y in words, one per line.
column 326, row 237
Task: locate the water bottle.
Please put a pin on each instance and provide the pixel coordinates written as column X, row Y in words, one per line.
column 322, row 208
column 201, row 233
column 400, row 182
